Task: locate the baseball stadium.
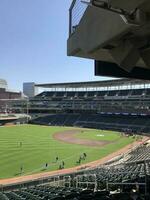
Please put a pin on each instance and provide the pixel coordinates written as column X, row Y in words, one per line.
column 76, row 130
column 83, row 140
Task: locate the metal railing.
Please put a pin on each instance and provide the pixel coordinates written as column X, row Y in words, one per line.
column 76, row 12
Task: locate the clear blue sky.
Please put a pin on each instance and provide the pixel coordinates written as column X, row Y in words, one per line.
column 33, row 35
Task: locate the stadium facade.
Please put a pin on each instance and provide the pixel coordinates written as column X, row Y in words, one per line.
column 113, row 104
column 121, row 95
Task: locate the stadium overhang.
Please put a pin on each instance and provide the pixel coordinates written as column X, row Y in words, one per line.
column 112, row 69
column 116, row 32
column 94, row 84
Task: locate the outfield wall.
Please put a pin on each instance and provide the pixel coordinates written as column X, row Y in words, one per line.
column 13, row 121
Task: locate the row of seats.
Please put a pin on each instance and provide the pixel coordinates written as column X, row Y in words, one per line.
column 133, row 167
column 53, row 193
column 98, row 121
column 133, row 170
column 118, row 173
column 91, row 94
column 137, row 155
column 141, row 153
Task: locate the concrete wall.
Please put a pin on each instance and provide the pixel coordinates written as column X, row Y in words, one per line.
column 97, row 29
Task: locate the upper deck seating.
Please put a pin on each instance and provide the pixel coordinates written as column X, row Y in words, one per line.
column 46, row 94
column 91, row 94
column 124, row 92
column 101, row 93
column 112, row 93
column 71, row 94
column 138, row 92
column 81, row 94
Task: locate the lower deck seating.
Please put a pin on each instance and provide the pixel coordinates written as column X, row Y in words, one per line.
column 53, row 193
column 99, row 121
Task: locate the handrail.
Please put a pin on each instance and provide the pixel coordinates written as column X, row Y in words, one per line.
column 76, row 11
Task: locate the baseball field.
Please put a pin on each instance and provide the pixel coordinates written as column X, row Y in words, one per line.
column 30, row 149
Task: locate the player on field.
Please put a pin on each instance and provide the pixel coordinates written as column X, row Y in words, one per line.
column 85, row 155
column 63, row 163
column 57, row 158
column 21, row 169
column 20, row 144
column 46, row 165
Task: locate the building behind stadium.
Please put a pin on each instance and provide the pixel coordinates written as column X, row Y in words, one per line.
column 5, row 93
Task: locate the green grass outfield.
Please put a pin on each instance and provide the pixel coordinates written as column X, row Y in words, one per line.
column 39, row 147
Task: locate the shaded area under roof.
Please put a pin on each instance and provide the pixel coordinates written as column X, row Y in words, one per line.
column 106, row 83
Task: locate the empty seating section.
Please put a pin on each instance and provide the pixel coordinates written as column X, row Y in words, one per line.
column 138, row 92
column 117, row 174
column 86, row 94
column 3, row 196
column 101, row 93
column 71, row 94
column 92, row 94
column 81, row 94
column 112, row 93
column 99, row 121
column 115, row 101
column 60, row 94
column 124, row 92
column 52, row 193
column 141, row 153
column 132, row 167
column 148, row 92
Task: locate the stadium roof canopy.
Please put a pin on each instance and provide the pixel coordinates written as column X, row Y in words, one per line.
column 106, row 83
